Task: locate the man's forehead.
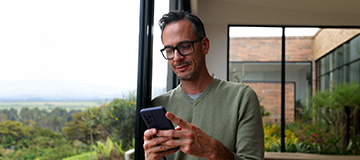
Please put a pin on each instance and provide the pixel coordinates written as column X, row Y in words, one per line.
column 177, row 32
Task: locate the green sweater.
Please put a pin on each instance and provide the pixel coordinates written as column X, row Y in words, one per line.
column 229, row 112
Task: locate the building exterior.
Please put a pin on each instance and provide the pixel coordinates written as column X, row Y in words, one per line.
column 312, row 63
column 336, row 57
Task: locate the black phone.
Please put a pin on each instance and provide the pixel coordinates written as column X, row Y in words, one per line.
column 154, row 117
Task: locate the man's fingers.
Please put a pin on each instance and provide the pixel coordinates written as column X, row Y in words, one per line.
column 158, row 141
column 148, row 134
column 176, row 120
column 161, row 151
column 173, row 143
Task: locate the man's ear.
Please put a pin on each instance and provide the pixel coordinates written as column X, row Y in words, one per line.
column 205, row 44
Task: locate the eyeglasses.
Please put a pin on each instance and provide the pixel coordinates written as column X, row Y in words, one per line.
column 184, row 48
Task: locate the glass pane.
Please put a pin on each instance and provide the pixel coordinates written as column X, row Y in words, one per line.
column 332, row 59
column 339, row 57
column 322, row 66
column 355, row 48
column 346, row 52
column 339, row 75
column 327, row 80
column 327, row 63
column 298, row 88
column 317, row 76
column 68, row 78
column 160, row 64
column 255, row 53
column 323, row 82
column 347, row 73
column 355, row 71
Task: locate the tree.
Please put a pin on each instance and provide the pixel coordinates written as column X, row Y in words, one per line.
column 76, row 129
column 3, row 117
column 336, row 107
column 11, row 132
column 10, row 115
column 31, row 114
column 120, row 119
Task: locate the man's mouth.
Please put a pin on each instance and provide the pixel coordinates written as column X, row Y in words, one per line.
column 182, row 66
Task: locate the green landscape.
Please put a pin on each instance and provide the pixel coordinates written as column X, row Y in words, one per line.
column 67, row 130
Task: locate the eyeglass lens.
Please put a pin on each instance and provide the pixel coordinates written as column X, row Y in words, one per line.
column 184, row 49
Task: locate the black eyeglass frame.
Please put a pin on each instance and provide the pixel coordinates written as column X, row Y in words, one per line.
column 176, row 47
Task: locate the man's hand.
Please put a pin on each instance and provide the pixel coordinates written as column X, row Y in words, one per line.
column 154, row 151
column 192, row 140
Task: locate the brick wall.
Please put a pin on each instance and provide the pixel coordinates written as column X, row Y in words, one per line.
column 265, row 49
column 270, row 97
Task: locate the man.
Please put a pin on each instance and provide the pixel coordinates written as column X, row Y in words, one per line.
column 216, row 119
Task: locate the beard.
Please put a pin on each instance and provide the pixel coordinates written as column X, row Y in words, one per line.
column 193, row 73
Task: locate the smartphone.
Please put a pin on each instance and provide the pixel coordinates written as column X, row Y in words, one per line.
column 154, row 117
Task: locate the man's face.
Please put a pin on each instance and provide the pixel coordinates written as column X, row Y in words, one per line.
column 189, row 66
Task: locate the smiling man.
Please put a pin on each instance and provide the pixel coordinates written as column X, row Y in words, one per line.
column 216, row 119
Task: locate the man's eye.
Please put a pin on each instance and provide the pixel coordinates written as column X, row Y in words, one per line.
column 168, row 50
column 185, row 46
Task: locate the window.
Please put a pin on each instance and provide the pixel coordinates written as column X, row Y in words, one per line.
column 68, row 77
column 340, row 65
column 255, row 59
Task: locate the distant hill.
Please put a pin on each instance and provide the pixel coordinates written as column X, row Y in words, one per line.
column 58, row 90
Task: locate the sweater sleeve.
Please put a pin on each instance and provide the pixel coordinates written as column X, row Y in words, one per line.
column 250, row 132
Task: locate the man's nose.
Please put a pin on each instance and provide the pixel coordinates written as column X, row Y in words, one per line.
column 177, row 55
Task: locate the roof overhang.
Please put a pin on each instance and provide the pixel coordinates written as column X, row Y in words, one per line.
column 321, row 13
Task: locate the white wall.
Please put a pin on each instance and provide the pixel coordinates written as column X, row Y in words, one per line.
column 216, row 58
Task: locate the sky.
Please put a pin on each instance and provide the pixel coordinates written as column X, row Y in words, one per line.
column 83, row 40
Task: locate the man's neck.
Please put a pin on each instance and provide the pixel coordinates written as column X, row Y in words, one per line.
column 197, row 84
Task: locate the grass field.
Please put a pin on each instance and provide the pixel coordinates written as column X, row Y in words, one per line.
column 51, row 105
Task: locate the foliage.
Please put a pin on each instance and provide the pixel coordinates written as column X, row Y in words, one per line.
column 9, row 115
column 36, row 135
column 53, row 119
column 11, row 132
column 237, row 77
column 115, row 119
column 330, row 112
column 83, row 156
column 111, row 149
column 107, row 150
column 273, row 139
column 122, row 151
column 262, row 108
column 308, row 138
column 30, row 141
column 120, row 119
column 322, row 128
column 76, row 129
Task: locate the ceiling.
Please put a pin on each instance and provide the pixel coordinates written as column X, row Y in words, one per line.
column 326, row 13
